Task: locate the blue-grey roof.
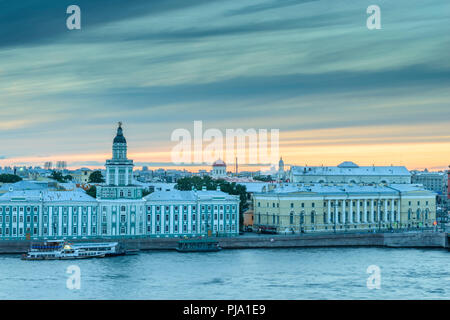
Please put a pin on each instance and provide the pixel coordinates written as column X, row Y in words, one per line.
column 23, row 185
column 350, row 168
column 177, row 195
column 336, row 189
column 47, row 196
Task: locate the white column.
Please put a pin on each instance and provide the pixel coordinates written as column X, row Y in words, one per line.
column 70, row 220
column 343, row 211
column 371, row 211
column 385, row 217
column 365, row 211
column 126, row 176
column 50, row 221
column 116, row 182
column 80, row 225
column 358, row 210
column 60, row 221
column 107, row 176
column 335, row 212
column 392, row 210
column 329, row 211
column 89, row 218
column 351, row 211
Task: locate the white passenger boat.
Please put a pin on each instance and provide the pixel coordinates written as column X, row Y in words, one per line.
column 62, row 250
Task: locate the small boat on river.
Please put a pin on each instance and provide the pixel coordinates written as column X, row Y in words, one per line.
column 62, row 250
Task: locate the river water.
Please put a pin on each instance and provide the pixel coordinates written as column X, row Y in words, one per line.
column 300, row 273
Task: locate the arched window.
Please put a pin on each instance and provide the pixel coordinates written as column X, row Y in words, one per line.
column 409, row 214
column 312, row 217
column 291, row 218
column 418, row 213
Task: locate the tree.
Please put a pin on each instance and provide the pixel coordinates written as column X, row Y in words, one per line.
column 263, row 178
column 9, row 178
column 92, row 191
column 96, row 177
column 57, row 175
column 145, row 192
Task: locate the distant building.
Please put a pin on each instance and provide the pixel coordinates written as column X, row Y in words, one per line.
column 219, row 169
column 81, row 176
column 434, row 181
column 281, row 172
column 349, row 172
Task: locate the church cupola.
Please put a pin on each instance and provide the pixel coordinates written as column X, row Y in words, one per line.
column 119, row 145
column 119, row 136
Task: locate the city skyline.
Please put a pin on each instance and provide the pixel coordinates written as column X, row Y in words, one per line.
column 335, row 90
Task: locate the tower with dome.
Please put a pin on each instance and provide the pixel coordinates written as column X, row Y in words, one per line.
column 119, row 172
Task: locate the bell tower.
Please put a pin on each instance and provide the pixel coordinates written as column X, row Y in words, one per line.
column 119, row 172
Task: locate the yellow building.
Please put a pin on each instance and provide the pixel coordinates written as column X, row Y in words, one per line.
column 81, row 175
column 344, row 207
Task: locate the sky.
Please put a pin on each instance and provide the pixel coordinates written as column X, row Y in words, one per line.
column 334, row 89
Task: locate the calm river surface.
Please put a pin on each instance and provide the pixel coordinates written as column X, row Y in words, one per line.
column 300, row 273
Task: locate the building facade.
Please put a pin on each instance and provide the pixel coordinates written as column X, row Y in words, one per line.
column 434, row 181
column 349, row 172
column 339, row 208
column 219, row 169
column 119, row 209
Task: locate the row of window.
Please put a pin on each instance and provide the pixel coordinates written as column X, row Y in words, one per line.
column 21, row 209
column 194, row 229
column 340, row 202
column 194, row 208
column 341, row 218
column 194, row 217
column 14, row 219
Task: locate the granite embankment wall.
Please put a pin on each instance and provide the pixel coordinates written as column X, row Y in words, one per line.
column 404, row 240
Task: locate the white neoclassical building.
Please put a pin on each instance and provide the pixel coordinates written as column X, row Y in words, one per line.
column 350, row 172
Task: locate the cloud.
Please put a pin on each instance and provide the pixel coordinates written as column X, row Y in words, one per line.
column 159, row 65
